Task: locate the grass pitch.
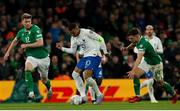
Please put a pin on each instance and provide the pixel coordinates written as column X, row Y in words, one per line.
column 144, row 105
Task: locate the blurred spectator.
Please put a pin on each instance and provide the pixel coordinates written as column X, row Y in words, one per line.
column 54, row 68
column 5, row 73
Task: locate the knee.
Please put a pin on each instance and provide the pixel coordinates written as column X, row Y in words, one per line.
column 160, row 82
column 87, row 74
column 28, row 67
column 136, row 76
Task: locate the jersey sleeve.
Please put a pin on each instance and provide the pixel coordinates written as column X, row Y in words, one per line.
column 103, row 46
column 141, row 48
column 159, row 47
column 38, row 34
column 18, row 35
column 73, row 47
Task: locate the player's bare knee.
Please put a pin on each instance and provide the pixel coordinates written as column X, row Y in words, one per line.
column 87, row 74
column 28, row 66
column 77, row 70
column 160, row 82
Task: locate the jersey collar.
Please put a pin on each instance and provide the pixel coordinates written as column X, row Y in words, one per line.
column 29, row 29
column 140, row 39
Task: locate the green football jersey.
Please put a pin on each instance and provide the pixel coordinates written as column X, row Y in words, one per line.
column 150, row 56
column 32, row 36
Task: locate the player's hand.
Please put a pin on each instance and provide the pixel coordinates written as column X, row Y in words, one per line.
column 104, row 59
column 59, row 45
column 131, row 74
column 23, row 46
column 6, row 56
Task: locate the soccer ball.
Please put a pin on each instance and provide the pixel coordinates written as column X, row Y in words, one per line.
column 76, row 100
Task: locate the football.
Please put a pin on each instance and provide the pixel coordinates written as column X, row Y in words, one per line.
column 76, row 100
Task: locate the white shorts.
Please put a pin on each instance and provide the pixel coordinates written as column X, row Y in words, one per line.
column 41, row 64
column 156, row 69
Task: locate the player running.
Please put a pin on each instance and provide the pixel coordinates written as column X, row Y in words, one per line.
column 37, row 56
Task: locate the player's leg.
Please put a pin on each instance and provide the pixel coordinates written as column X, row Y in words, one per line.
column 98, row 77
column 149, row 76
column 137, row 98
column 88, row 77
column 91, row 90
column 43, row 69
column 139, row 71
column 158, row 74
column 30, row 64
column 91, row 64
column 151, row 90
column 136, row 82
column 78, row 80
column 149, row 83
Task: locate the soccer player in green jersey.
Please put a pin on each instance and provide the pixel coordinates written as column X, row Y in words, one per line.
column 152, row 62
column 37, row 56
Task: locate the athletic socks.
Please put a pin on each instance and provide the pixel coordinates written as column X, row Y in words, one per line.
column 168, row 88
column 48, row 84
column 29, row 81
column 79, row 83
column 136, row 82
column 94, row 85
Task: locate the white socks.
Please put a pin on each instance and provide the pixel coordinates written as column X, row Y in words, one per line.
column 92, row 92
column 79, row 83
column 149, row 84
column 94, row 85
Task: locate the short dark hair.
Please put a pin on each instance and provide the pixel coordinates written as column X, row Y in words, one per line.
column 72, row 26
column 26, row 16
column 134, row 31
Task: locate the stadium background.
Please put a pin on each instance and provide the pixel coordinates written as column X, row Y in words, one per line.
column 110, row 18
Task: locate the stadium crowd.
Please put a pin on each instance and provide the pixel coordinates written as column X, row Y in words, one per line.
column 110, row 18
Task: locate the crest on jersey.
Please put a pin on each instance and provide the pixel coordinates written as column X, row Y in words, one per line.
column 141, row 46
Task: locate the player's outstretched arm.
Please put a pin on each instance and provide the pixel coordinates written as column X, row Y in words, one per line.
column 71, row 50
column 130, row 46
column 159, row 47
column 13, row 43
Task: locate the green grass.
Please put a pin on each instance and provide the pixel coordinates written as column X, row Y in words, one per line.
column 144, row 105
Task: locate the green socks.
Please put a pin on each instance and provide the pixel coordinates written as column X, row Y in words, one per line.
column 48, row 85
column 86, row 88
column 136, row 82
column 168, row 88
column 29, row 81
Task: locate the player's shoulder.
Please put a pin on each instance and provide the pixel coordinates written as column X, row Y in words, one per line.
column 73, row 39
column 142, row 43
column 86, row 31
column 157, row 38
column 143, row 39
column 21, row 30
column 35, row 27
